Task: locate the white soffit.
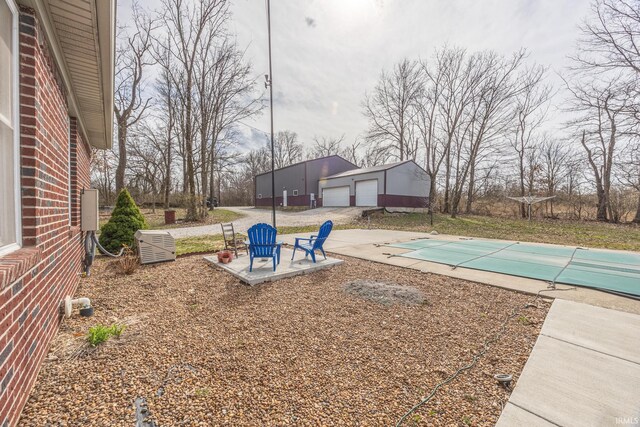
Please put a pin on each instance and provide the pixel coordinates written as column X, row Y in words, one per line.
column 81, row 34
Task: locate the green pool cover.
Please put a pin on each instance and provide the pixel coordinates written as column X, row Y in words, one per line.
column 611, row 271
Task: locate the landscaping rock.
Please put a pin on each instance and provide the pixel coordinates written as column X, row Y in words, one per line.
column 384, row 293
column 205, row 350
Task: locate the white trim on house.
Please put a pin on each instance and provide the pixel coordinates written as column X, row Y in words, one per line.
column 14, row 161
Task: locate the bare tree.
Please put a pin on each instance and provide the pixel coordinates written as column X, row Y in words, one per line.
column 605, row 96
column 226, row 98
column 555, row 156
column 391, row 108
column 601, row 110
column 531, row 109
column 287, row 149
column 190, row 27
column 488, row 118
column 325, row 146
column 426, row 121
column 611, row 41
column 352, row 153
column 103, row 162
column 630, row 173
column 167, row 117
column 458, row 85
column 132, row 57
column 147, row 162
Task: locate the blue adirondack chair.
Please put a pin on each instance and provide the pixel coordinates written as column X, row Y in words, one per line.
column 313, row 243
column 262, row 244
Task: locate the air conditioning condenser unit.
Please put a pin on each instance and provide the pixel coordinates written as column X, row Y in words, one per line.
column 155, row 246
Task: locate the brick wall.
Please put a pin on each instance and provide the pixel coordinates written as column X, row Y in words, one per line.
column 35, row 279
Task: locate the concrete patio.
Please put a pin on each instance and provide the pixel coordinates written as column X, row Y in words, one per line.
column 263, row 268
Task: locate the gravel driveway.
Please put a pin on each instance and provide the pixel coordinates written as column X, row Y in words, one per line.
column 254, row 216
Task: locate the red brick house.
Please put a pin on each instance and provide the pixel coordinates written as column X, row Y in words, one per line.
column 56, row 85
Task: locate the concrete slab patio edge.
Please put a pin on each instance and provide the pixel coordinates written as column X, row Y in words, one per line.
column 263, row 269
column 583, row 370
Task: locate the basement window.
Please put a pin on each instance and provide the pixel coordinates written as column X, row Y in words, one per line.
column 10, row 236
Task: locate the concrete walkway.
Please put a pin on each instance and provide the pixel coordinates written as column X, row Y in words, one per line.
column 583, row 371
column 585, row 367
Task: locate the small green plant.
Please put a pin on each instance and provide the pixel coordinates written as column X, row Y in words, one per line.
column 98, row 334
column 523, row 320
column 470, row 398
column 101, row 333
column 117, row 330
column 466, row 420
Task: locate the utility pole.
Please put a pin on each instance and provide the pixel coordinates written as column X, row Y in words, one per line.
column 269, row 82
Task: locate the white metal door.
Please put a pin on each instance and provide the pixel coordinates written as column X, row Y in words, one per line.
column 284, row 198
column 367, row 193
column 337, row 196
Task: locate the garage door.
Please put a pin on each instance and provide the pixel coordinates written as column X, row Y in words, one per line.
column 367, row 193
column 337, row 196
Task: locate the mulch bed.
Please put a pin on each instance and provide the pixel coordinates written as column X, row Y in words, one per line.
column 204, row 349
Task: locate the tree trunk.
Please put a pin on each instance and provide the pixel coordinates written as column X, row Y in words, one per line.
column 472, row 173
column 523, row 206
column 432, row 191
column 204, row 178
column 447, row 179
column 602, row 205
column 455, row 202
column 636, row 219
column 219, row 190
column 167, row 179
column 122, row 154
column 168, row 158
column 192, row 202
column 211, row 183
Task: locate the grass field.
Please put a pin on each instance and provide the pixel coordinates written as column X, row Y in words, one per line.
column 578, row 233
column 206, row 243
column 156, row 220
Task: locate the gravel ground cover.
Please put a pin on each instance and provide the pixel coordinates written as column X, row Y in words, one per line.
column 203, row 349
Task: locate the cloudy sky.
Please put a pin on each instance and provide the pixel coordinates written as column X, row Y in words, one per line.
column 328, row 53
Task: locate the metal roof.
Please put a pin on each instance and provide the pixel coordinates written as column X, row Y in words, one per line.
column 368, row 170
column 306, row 161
